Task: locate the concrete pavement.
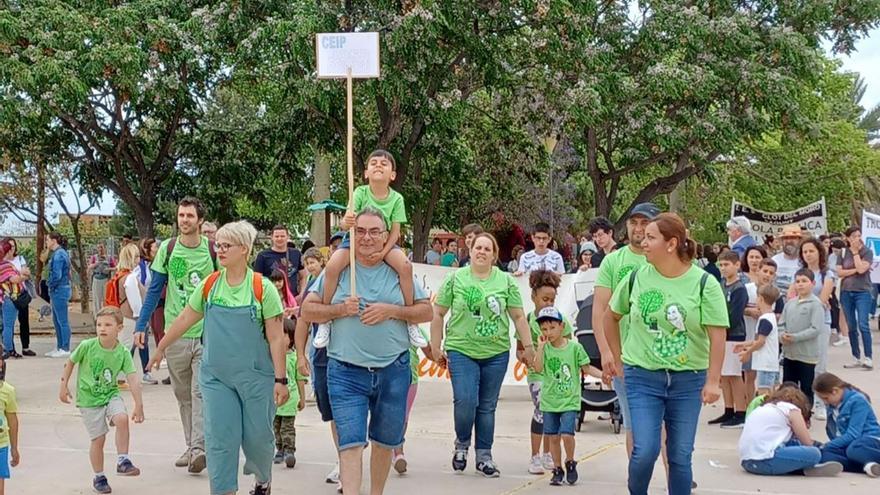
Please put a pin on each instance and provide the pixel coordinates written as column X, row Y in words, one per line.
column 54, row 448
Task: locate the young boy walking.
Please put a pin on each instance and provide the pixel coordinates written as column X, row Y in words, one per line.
column 100, row 361
column 732, row 385
column 802, row 320
column 560, row 364
column 8, row 429
column 285, row 416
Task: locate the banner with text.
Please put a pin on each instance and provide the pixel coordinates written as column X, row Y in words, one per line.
column 871, row 237
column 812, row 218
column 574, row 290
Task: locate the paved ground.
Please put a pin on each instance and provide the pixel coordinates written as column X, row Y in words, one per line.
column 54, row 448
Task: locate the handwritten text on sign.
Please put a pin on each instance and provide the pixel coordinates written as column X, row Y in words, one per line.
column 337, row 52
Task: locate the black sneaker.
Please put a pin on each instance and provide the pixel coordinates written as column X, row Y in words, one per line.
column 459, row 460
column 737, row 421
column 28, row 352
column 15, row 355
column 488, row 469
column 279, row 457
column 558, row 474
column 262, row 489
column 166, row 381
column 720, row 419
column 100, row 485
column 571, row 472
column 289, row 460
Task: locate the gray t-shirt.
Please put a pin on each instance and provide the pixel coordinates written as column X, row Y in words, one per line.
column 432, row 257
column 370, row 346
column 857, row 282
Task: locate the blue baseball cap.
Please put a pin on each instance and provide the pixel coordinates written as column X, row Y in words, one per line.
column 647, row 210
column 338, row 235
column 549, row 313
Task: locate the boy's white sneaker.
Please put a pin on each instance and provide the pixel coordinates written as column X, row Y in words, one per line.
column 547, row 461
column 322, row 336
column 51, row 353
column 819, row 414
column 416, row 339
column 868, row 364
column 872, row 469
column 333, row 476
column 61, row 354
column 535, row 465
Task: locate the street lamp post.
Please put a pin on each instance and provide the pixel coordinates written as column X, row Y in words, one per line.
column 549, row 145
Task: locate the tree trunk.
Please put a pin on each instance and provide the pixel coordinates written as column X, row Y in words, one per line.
column 79, row 264
column 41, row 226
column 318, row 233
column 421, row 224
column 143, row 219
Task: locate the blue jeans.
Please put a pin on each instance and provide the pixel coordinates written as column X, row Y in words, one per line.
column 476, row 384
column 856, row 307
column 655, row 398
column 10, row 314
column 560, row 423
column 854, row 457
column 60, row 297
column 356, row 392
column 787, row 459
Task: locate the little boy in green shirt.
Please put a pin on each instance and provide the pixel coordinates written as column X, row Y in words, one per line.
column 560, row 365
column 100, row 361
column 378, row 194
column 285, row 416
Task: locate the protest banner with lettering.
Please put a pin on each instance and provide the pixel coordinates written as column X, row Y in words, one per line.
column 871, row 237
column 812, row 218
column 573, row 290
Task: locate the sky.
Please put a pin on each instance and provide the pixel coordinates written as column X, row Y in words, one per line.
column 865, row 60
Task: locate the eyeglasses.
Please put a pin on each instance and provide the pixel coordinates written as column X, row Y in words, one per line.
column 373, row 233
column 224, row 246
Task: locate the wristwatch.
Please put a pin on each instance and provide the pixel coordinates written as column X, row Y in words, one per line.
column 282, row 381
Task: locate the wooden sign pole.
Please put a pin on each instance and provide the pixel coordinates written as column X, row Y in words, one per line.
column 349, row 145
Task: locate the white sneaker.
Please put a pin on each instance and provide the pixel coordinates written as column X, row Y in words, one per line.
column 547, row 461
column 333, row 476
column 872, row 469
column 322, row 336
column 841, row 341
column 819, row 414
column 854, row 365
column 868, row 364
column 535, row 465
column 149, row 380
column 51, row 353
column 416, row 339
column 61, row 354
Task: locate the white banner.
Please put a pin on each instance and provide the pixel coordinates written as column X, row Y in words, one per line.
column 574, row 289
column 336, row 53
column 871, row 237
column 812, row 218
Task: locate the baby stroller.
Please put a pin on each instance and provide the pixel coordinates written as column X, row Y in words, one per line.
column 594, row 397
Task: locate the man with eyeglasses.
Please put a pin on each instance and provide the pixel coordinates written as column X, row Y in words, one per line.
column 181, row 264
column 368, row 372
column 542, row 257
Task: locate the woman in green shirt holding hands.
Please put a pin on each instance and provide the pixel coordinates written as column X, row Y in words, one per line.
column 673, row 350
column 477, row 345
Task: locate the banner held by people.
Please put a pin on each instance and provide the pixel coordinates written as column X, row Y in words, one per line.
column 871, row 236
column 812, row 218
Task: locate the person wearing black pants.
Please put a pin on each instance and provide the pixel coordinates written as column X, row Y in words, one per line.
column 803, row 319
column 801, row 373
column 24, row 326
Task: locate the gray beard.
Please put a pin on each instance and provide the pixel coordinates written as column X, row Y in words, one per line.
column 789, row 250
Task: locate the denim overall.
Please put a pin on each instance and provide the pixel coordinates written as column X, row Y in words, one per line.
column 237, row 382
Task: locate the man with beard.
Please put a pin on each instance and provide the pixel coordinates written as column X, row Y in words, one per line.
column 182, row 263
column 787, row 262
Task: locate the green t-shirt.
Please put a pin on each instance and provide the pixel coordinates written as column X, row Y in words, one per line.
column 567, row 330
column 8, row 404
column 414, row 357
column 185, row 270
column 98, row 370
column 478, row 325
column 616, row 267
column 392, row 207
column 240, row 295
column 668, row 319
column 755, row 403
column 293, row 378
column 561, row 390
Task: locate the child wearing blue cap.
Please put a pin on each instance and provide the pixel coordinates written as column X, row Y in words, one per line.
column 559, row 364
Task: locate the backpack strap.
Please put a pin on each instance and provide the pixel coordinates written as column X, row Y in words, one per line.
column 258, row 286
column 703, row 280
column 209, row 284
column 169, row 248
column 212, row 250
column 632, row 279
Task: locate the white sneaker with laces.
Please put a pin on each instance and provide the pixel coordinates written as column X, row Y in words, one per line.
column 61, row 354
column 51, row 353
column 535, row 465
column 819, row 414
column 322, row 336
column 333, row 476
column 868, row 364
column 840, row 342
column 547, row 461
column 872, row 469
column 416, row 338
column 853, row 365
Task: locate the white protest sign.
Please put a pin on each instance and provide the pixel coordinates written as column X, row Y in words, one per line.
column 339, row 52
column 871, row 238
column 812, row 218
column 574, row 288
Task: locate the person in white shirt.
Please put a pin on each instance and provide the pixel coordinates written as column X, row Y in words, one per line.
column 131, row 296
column 788, row 262
column 542, row 257
column 776, row 440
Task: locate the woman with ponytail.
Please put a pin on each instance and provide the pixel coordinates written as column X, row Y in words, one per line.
column 853, row 431
column 672, row 354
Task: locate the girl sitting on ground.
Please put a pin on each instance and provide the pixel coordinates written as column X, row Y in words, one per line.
column 852, row 426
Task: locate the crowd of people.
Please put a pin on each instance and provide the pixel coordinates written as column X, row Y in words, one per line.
column 678, row 325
